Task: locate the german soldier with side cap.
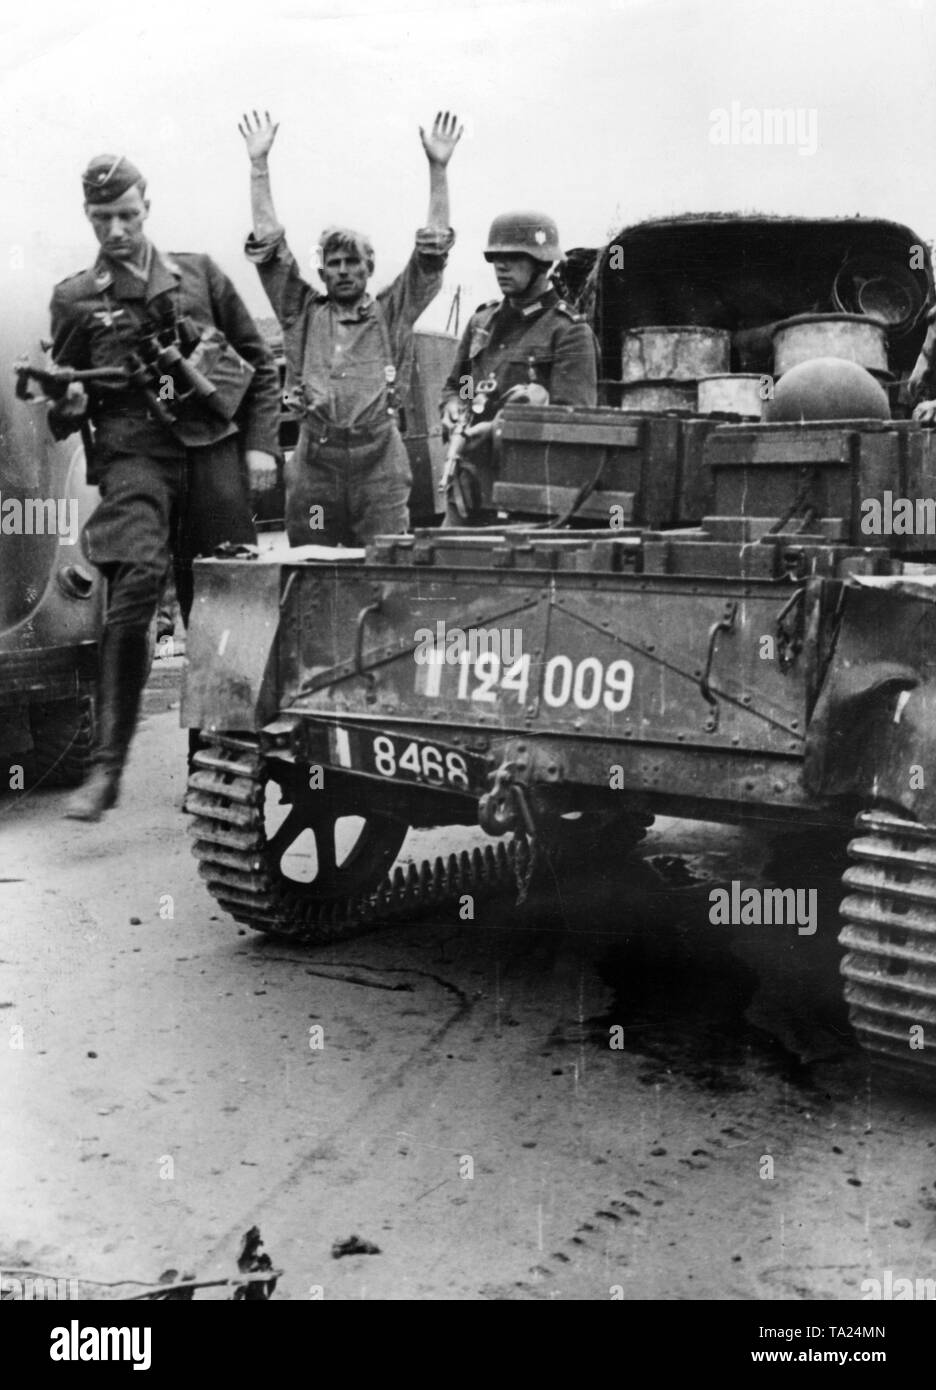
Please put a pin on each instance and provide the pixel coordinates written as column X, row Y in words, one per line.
column 176, row 444
column 529, row 347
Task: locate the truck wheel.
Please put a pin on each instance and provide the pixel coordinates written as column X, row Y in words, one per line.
column 63, row 738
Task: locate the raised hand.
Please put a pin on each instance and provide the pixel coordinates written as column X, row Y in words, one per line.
column 440, row 143
column 259, row 136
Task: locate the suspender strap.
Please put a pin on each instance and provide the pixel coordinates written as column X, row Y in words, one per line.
column 390, row 370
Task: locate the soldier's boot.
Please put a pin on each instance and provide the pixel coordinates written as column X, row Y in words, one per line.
column 125, row 661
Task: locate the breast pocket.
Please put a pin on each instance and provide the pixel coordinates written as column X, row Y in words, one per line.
column 533, row 365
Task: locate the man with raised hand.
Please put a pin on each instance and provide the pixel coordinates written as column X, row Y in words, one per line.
column 348, row 354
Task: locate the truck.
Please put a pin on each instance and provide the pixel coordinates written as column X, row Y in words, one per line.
column 51, row 599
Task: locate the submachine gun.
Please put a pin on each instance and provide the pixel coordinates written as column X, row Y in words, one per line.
column 55, row 381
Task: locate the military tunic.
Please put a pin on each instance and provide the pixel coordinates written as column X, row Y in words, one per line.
column 545, row 342
column 160, row 498
column 95, row 320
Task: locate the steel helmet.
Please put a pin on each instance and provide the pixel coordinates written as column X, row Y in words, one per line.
column 827, row 388
column 524, row 233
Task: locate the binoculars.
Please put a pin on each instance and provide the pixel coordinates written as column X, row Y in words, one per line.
column 164, row 352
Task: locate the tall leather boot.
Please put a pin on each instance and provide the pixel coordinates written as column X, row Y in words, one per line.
column 124, row 667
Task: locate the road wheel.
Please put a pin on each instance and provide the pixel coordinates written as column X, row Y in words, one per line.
column 63, row 739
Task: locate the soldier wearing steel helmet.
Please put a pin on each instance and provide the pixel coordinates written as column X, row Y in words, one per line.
column 530, row 346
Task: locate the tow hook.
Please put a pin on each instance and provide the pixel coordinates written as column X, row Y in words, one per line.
column 505, row 806
column 509, row 804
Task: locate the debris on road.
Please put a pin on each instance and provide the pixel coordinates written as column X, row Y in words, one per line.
column 354, row 1245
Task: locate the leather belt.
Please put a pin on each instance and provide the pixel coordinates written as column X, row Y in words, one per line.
column 353, row 434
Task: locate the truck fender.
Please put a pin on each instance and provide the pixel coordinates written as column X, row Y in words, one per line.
column 853, row 709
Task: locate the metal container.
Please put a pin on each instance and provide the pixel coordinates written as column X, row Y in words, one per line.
column 883, row 287
column 853, row 337
column 732, row 393
column 674, row 354
column 658, row 395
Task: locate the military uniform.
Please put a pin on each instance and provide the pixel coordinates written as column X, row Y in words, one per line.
column 161, row 498
column 169, row 491
column 347, row 367
column 546, row 343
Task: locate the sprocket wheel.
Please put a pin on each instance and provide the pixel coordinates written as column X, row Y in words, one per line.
column 281, row 858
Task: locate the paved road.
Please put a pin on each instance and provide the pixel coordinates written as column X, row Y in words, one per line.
column 465, row 1113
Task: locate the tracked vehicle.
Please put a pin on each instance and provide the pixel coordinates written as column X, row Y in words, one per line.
column 715, row 631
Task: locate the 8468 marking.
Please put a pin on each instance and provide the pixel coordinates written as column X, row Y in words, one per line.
column 421, row 760
column 407, row 759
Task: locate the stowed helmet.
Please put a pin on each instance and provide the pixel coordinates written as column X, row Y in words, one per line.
column 524, row 233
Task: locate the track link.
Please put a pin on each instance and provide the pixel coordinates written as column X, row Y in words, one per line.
column 890, row 933
column 226, row 801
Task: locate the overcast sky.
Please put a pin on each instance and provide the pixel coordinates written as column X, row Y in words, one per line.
column 598, row 111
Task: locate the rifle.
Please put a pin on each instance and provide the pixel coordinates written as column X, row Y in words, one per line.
column 458, row 442
column 456, row 447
